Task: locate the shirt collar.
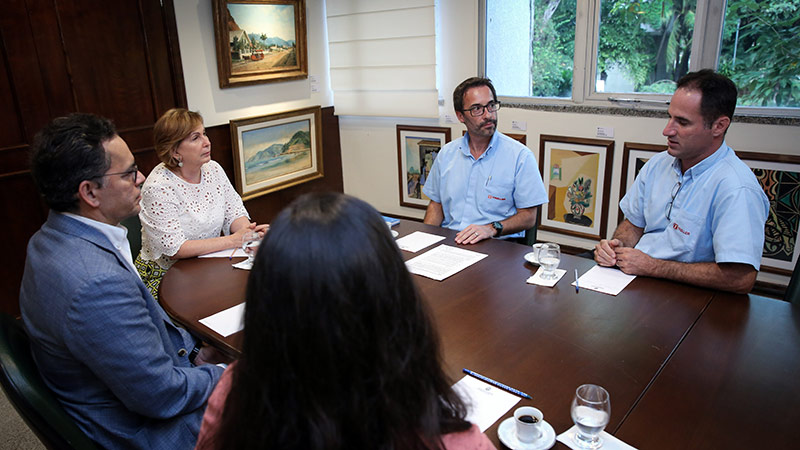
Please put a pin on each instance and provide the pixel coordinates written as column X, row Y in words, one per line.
column 116, row 234
column 464, row 147
column 702, row 166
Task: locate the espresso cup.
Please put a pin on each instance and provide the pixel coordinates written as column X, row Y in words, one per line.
column 529, row 423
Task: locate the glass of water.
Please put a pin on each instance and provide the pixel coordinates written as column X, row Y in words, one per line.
column 591, row 409
column 549, row 258
column 250, row 242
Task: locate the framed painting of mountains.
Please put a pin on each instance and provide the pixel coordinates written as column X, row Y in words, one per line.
column 260, row 41
column 276, row 151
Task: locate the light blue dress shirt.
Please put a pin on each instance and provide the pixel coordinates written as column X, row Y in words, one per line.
column 718, row 213
column 504, row 178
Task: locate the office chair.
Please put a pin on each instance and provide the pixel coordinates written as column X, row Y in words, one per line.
column 792, row 294
column 530, row 235
column 134, row 234
column 32, row 399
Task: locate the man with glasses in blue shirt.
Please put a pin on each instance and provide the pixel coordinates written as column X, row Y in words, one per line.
column 128, row 376
column 484, row 184
column 695, row 213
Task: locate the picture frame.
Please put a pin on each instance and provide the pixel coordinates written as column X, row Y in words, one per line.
column 276, row 151
column 417, row 148
column 634, row 155
column 577, row 178
column 260, row 41
column 779, row 176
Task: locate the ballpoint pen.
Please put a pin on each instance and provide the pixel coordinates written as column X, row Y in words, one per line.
column 497, row 384
column 576, row 281
column 232, row 253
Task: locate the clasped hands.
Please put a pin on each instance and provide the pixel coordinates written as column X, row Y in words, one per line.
column 475, row 233
column 610, row 253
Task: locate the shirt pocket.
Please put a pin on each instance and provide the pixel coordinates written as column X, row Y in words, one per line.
column 498, row 199
column 683, row 233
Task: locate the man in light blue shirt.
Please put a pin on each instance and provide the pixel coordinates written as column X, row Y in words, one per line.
column 484, row 184
column 695, row 213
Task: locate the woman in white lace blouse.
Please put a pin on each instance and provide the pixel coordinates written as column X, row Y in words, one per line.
column 189, row 207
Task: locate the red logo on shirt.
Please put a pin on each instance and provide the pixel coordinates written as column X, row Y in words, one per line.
column 496, row 198
column 676, row 227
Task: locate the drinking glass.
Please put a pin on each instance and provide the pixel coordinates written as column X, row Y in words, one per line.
column 591, row 409
column 549, row 258
column 250, row 242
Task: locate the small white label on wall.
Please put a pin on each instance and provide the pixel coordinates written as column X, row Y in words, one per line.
column 607, row 132
column 519, row 125
column 312, row 78
column 449, row 118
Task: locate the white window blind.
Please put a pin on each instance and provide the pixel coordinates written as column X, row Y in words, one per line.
column 383, row 57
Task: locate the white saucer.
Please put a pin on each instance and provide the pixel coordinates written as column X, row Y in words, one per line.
column 531, row 258
column 394, row 233
column 507, row 432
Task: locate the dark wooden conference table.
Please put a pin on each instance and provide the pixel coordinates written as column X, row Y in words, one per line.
column 686, row 367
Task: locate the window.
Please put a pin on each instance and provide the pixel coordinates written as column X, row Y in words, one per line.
column 603, row 51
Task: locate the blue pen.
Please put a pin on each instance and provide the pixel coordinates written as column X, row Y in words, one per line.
column 576, row 281
column 496, row 384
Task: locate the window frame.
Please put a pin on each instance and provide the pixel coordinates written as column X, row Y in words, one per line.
column 706, row 42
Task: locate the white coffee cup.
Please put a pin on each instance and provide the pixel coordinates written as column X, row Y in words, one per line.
column 529, row 423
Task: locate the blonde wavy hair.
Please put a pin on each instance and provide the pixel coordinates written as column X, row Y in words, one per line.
column 170, row 130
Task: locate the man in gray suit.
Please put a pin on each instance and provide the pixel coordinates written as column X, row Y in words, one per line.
column 118, row 365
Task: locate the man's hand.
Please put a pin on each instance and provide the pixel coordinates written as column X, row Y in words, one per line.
column 605, row 253
column 635, row 262
column 475, row 233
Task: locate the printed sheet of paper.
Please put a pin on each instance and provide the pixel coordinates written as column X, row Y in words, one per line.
column 605, row 280
column 239, row 253
column 485, row 402
column 417, row 240
column 226, row 322
column 443, row 261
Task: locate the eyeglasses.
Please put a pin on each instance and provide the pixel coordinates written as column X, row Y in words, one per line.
column 675, row 190
column 130, row 173
column 478, row 110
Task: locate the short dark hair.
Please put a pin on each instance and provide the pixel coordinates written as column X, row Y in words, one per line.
column 339, row 350
column 469, row 83
column 68, row 151
column 718, row 94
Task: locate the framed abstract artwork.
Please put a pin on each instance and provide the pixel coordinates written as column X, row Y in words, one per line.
column 779, row 176
column 260, row 41
column 576, row 174
column 634, row 155
column 276, row 151
column 417, row 148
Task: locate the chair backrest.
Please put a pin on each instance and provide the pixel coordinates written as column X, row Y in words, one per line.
column 30, row 396
column 530, row 233
column 793, row 289
column 134, row 233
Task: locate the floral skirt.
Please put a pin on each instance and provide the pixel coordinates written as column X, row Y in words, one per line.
column 151, row 274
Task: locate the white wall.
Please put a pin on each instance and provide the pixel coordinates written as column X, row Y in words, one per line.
column 369, row 145
column 218, row 106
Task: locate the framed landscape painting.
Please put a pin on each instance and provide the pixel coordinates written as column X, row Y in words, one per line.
column 417, row 148
column 260, row 41
column 576, row 174
column 779, row 176
column 276, row 151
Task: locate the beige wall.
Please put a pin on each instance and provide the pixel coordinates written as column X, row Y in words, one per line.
column 369, row 146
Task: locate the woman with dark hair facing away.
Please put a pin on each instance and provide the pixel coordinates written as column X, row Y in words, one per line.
column 189, row 206
column 339, row 351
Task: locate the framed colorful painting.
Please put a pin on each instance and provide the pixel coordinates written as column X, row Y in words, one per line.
column 417, row 148
column 576, row 174
column 779, row 176
column 260, row 41
column 276, row 151
column 634, row 156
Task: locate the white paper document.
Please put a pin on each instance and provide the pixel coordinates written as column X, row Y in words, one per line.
column 485, row 402
column 605, row 280
column 226, row 322
column 610, row 442
column 417, row 240
column 443, row 261
column 229, row 253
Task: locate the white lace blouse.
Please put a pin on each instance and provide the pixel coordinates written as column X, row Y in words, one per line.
column 174, row 211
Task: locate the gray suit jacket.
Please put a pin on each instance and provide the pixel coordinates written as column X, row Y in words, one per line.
column 105, row 347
